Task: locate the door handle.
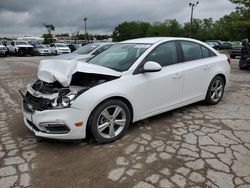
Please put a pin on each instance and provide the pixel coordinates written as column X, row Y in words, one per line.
column 206, row 67
column 177, row 75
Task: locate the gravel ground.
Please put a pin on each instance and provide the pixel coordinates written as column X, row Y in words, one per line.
column 194, row 146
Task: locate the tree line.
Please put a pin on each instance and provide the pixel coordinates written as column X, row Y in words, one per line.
column 230, row 27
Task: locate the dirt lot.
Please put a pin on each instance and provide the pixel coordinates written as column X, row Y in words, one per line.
column 195, row 146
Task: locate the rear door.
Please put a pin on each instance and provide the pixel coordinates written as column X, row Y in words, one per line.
column 197, row 65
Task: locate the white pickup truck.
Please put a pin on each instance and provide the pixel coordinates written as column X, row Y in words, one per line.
column 20, row 48
column 3, row 50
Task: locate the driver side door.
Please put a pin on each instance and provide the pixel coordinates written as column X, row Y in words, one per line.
column 157, row 92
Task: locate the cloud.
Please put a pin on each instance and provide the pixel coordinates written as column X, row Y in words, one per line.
column 26, row 17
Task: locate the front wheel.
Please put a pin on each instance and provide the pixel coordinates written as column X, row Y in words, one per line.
column 109, row 121
column 215, row 91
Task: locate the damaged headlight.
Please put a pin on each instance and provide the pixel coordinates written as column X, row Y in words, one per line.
column 64, row 101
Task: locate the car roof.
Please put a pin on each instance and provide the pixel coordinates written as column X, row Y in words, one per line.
column 153, row 40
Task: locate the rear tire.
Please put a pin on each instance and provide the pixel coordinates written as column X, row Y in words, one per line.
column 109, row 121
column 215, row 91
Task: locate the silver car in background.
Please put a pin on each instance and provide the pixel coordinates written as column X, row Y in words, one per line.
column 86, row 52
column 41, row 49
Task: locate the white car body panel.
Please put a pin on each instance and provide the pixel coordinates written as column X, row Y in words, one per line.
column 148, row 93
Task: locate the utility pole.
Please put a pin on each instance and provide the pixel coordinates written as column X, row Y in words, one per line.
column 192, row 5
column 85, row 27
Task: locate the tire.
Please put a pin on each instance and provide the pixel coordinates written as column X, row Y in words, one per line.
column 242, row 65
column 101, row 122
column 232, row 56
column 215, row 91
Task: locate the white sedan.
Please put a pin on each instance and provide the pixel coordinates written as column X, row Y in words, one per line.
column 131, row 81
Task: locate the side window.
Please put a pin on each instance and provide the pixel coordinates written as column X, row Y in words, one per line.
column 164, row 54
column 206, row 52
column 191, row 50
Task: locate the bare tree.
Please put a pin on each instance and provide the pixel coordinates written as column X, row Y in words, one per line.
column 49, row 27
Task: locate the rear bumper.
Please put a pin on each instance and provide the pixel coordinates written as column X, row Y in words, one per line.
column 37, row 120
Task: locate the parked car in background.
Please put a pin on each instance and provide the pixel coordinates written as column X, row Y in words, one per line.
column 59, row 48
column 214, row 45
column 225, row 46
column 20, row 48
column 3, row 50
column 86, row 52
column 235, row 51
column 41, row 49
column 74, row 47
column 131, row 81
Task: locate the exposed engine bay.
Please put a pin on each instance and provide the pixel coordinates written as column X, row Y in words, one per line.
column 41, row 95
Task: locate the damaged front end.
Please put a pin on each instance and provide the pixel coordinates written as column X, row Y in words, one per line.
column 47, row 103
column 41, row 95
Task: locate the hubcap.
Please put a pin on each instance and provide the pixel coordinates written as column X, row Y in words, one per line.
column 111, row 121
column 216, row 90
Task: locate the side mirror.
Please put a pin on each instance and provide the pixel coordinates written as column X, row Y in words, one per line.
column 151, row 66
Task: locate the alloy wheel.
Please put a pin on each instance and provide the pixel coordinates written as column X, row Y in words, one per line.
column 216, row 90
column 111, row 121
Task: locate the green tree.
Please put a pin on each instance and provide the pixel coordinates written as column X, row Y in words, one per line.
column 48, row 38
column 130, row 30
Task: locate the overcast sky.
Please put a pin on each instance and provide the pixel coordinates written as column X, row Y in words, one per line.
column 26, row 17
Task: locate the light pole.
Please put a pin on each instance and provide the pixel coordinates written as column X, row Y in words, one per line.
column 192, row 5
column 85, row 27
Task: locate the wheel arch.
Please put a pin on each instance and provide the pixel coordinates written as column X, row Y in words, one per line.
column 123, row 99
column 222, row 76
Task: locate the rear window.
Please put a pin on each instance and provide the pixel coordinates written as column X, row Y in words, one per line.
column 193, row 51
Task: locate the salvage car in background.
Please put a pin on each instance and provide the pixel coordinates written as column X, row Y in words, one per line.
column 59, row 48
column 86, row 52
column 41, row 49
column 131, row 81
column 3, row 50
column 20, row 48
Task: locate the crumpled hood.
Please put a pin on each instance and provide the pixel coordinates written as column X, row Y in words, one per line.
column 52, row 70
column 24, row 46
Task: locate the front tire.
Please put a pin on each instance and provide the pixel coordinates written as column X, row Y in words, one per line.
column 109, row 121
column 215, row 91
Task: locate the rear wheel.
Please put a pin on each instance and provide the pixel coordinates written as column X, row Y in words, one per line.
column 109, row 121
column 215, row 91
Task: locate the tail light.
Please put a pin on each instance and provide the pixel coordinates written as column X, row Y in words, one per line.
column 229, row 60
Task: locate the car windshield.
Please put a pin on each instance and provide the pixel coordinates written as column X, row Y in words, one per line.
column 86, row 49
column 60, row 45
column 21, row 43
column 120, row 57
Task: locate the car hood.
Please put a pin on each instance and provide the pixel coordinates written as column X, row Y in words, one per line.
column 52, row 70
column 63, row 48
column 42, row 49
column 24, row 46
